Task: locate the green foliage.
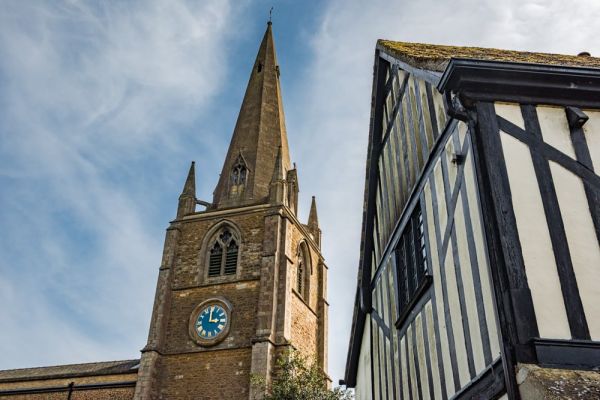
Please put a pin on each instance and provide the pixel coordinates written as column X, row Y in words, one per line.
column 299, row 379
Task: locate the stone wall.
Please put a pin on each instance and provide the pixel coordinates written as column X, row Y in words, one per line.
column 221, row 374
column 304, row 328
column 59, row 388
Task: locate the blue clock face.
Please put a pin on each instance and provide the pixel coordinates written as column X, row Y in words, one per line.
column 211, row 322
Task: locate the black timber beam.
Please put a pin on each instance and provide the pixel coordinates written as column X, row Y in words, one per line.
column 363, row 296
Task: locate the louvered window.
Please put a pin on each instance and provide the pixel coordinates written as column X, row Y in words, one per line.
column 300, row 276
column 223, row 257
column 214, row 263
column 411, row 261
column 231, row 258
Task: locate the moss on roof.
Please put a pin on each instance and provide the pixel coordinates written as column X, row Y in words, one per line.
column 554, row 384
column 436, row 57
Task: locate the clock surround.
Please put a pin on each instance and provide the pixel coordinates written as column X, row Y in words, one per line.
column 208, row 317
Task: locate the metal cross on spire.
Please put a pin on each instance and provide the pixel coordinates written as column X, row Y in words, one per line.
column 270, row 15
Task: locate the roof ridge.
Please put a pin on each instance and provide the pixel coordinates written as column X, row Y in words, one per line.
column 69, row 365
column 436, row 56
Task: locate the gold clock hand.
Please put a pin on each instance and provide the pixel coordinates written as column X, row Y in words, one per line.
column 210, row 316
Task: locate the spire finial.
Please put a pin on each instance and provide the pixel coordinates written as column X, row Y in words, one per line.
column 270, row 16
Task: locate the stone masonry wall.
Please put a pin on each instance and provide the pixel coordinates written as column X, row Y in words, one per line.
column 221, row 371
column 241, row 295
column 208, row 375
column 192, row 250
column 94, row 394
column 304, row 328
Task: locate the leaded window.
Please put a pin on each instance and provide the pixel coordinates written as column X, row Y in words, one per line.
column 411, row 262
column 223, row 255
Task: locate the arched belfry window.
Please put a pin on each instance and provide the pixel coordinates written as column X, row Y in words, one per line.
column 300, row 272
column 223, row 254
column 238, row 176
column 303, row 271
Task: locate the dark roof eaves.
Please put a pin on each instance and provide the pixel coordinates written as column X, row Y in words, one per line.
column 513, row 81
column 110, row 369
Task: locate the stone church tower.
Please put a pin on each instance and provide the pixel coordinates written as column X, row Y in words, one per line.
column 244, row 280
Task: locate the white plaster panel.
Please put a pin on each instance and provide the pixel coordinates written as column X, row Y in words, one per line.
column 403, row 364
column 583, row 244
column 462, row 132
column 591, row 130
column 510, row 112
column 452, row 167
column 433, row 356
column 421, row 356
column 555, row 129
column 363, row 374
column 396, row 179
column 411, row 360
column 440, row 111
column 540, row 265
column 375, row 357
column 398, row 361
column 382, row 362
column 390, row 377
column 441, row 196
column 407, row 129
column 426, row 115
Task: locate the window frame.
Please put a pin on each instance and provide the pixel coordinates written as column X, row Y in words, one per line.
column 413, row 266
column 303, row 254
column 212, row 237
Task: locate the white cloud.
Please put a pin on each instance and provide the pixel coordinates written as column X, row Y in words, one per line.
column 333, row 122
column 91, row 93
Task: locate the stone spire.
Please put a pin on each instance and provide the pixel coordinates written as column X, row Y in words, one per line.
column 313, row 219
column 258, row 134
column 187, row 199
column 313, row 222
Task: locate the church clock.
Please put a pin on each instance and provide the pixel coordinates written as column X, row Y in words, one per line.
column 210, row 321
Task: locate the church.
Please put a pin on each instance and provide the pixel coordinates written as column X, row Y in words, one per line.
column 480, row 252
column 241, row 281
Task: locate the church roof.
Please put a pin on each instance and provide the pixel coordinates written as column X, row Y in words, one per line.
column 71, row 370
column 259, row 130
column 436, row 57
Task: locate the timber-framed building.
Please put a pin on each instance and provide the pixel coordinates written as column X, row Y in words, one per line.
column 480, row 257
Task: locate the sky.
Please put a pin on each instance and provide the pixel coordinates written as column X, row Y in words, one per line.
column 104, row 104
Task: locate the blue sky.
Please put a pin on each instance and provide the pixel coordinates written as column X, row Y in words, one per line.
column 104, row 104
